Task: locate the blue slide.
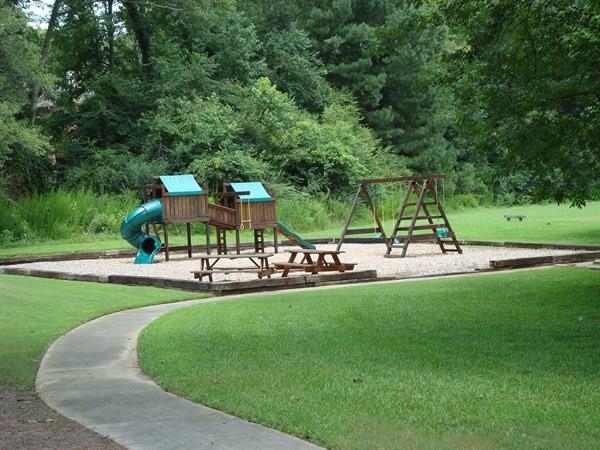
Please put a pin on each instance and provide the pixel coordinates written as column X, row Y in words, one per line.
column 131, row 230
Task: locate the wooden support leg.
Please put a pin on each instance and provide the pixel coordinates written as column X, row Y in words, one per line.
column 237, row 241
column 349, row 220
column 207, row 230
column 275, row 243
column 189, row 239
column 166, row 231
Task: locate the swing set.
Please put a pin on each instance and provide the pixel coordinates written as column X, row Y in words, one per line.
column 427, row 222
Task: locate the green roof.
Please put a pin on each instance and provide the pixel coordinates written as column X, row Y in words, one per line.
column 258, row 193
column 178, row 185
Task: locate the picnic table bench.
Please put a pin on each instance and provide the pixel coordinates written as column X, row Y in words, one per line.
column 326, row 261
column 260, row 266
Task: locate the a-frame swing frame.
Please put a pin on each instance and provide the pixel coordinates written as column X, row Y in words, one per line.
column 419, row 186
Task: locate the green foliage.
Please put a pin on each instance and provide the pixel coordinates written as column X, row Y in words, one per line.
column 61, row 214
column 223, row 165
column 182, row 130
column 529, row 96
column 310, row 94
column 22, row 146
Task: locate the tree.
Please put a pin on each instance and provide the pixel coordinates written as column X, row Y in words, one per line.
column 22, row 146
column 527, row 78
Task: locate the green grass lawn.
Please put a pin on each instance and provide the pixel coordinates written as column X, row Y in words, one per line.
column 544, row 223
column 36, row 311
column 498, row 361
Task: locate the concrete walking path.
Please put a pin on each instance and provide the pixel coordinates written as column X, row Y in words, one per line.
column 91, row 375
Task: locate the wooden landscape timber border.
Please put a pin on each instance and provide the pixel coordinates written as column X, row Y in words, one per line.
column 516, row 263
column 234, row 287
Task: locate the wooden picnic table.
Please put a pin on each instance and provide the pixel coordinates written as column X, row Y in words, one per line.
column 260, row 266
column 326, row 261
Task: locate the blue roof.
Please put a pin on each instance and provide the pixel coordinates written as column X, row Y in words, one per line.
column 258, row 193
column 178, row 185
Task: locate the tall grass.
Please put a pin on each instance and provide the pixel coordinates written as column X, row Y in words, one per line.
column 83, row 214
column 62, row 214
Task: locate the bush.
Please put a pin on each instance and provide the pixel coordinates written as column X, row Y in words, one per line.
column 228, row 166
column 463, row 201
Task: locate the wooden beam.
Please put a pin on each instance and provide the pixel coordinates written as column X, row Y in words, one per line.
column 435, row 176
column 363, row 231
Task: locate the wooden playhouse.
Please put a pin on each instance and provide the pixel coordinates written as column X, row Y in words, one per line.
column 183, row 201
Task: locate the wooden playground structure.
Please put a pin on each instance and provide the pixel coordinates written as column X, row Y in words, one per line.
column 239, row 206
column 183, row 201
column 426, row 222
column 244, row 206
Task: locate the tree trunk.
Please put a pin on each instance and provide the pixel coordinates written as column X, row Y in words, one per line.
column 111, row 34
column 36, row 90
column 141, row 33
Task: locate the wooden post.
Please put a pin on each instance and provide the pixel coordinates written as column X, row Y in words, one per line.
column 352, row 208
column 189, row 239
column 207, row 232
column 237, row 241
column 375, row 215
column 166, row 232
column 275, row 239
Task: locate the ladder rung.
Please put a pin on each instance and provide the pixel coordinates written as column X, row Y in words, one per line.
column 424, row 203
column 447, row 241
column 451, row 250
column 418, row 237
column 423, row 227
column 421, row 217
column 363, row 230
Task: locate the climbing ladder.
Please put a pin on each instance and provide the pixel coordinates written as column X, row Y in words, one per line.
column 422, row 224
column 259, row 240
column 221, row 241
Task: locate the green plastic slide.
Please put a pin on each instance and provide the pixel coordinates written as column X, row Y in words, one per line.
column 131, row 230
column 282, row 229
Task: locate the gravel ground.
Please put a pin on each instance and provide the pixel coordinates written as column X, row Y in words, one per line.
column 422, row 259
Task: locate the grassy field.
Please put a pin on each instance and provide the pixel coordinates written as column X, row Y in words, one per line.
column 35, row 311
column 544, row 223
column 499, row 361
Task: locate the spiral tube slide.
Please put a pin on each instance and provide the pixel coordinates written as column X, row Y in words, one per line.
column 131, row 230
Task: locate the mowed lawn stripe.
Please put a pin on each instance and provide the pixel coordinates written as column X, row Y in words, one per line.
column 508, row 360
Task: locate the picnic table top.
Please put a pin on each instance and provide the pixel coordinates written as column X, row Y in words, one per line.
column 316, row 252
column 236, row 256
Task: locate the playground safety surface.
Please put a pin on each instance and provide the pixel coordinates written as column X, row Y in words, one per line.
column 422, row 260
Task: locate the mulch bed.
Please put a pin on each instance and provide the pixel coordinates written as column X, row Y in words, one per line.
column 27, row 423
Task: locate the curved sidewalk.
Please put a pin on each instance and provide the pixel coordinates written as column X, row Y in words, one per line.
column 91, row 375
